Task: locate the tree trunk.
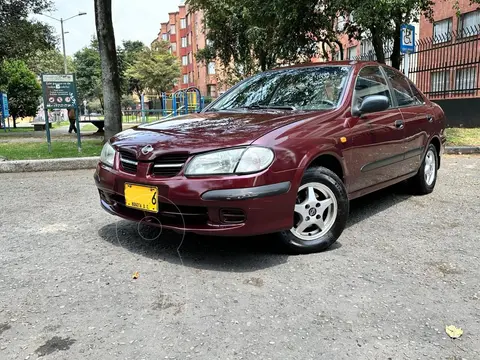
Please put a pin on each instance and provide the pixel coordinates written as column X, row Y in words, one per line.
column 396, row 58
column 14, row 118
column 377, row 43
column 110, row 73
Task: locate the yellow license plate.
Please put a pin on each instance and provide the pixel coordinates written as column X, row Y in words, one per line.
column 141, row 197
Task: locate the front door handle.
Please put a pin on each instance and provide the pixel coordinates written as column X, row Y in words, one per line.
column 399, row 124
column 430, row 118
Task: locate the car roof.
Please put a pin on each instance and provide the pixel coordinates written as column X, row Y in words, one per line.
column 330, row 63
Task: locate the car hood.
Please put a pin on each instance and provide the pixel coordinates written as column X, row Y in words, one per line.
column 195, row 133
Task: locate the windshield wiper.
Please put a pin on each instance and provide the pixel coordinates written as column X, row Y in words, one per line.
column 274, row 107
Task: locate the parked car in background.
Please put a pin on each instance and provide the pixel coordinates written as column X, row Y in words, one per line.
column 282, row 152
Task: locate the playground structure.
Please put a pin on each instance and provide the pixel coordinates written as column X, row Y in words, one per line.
column 181, row 102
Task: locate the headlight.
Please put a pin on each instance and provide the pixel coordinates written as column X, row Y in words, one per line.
column 108, row 155
column 234, row 161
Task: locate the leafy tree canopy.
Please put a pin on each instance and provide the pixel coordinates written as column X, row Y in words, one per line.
column 22, row 36
column 260, row 34
column 155, row 69
column 49, row 61
column 23, row 89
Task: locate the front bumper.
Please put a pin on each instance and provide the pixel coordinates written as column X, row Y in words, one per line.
column 224, row 206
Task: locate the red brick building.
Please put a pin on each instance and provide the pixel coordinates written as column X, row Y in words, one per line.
column 186, row 34
column 448, row 51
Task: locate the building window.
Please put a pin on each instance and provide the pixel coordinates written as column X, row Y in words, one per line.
column 185, row 79
column 174, row 46
column 165, row 37
column 184, row 42
column 442, row 31
column 183, row 23
column 211, row 68
column 211, row 91
column 439, row 81
column 184, row 60
column 188, row 20
column 341, row 23
column 209, row 42
column 352, row 53
column 338, row 55
column 173, row 29
column 366, row 50
column 466, row 79
column 468, row 24
column 190, row 58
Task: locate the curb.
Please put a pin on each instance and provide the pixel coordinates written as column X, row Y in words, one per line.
column 462, row 150
column 48, row 165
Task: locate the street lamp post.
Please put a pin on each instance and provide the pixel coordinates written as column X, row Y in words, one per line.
column 63, row 35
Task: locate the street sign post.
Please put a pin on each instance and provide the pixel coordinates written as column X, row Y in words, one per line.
column 60, row 92
column 407, row 44
column 4, row 111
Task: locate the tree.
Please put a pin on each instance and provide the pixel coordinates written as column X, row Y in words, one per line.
column 21, row 85
column 155, row 69
column 89, row 73
column 127, row 55
column 109, row 63
column 260, row 34
column 49, row 61
column 22, row 36
column 381, row 21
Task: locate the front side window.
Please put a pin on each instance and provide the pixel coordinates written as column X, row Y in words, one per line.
column 370, row 81
column 312, row 88
column 401, row 88
column 442, row 31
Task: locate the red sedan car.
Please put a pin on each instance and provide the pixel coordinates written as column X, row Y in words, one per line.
column 282, row 152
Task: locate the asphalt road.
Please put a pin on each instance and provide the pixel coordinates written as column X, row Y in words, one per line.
column 404, row 269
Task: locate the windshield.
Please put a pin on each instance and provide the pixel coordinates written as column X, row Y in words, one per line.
column 312, row 88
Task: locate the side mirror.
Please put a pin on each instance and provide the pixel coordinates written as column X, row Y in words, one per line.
column 370, row 104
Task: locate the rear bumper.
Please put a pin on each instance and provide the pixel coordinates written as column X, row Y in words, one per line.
column 231, row 206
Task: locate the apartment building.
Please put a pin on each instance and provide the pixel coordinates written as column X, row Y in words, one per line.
column 185, row 32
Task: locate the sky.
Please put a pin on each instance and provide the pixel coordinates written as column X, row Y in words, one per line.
column 132, row 20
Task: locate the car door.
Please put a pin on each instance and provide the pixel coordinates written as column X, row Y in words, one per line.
column 378, row 138
column 417, row 116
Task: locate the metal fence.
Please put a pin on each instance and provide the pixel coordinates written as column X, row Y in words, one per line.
column 444, row 66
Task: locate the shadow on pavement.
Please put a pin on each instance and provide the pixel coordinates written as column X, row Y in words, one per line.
column 372, row 204
column 233, row 254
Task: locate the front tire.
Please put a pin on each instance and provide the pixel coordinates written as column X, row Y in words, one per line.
column 320, row 213
column 424, row 182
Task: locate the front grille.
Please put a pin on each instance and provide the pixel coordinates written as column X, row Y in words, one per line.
column 169, row 165
column 129, row 161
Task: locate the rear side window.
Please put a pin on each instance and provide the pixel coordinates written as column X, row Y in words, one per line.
column 401, row 89
column 417, row 94
column 370, row 81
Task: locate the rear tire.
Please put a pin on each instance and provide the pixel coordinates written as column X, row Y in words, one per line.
column 424, row 182
column 320, row 213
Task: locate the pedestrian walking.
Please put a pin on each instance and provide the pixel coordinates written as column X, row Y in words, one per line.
column 72, row 119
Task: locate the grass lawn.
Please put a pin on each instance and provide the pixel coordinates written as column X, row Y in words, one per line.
column 60, row 149
column 463, row 137
column 17, row 130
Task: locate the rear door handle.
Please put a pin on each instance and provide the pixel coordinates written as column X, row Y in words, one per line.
column 399, row 124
